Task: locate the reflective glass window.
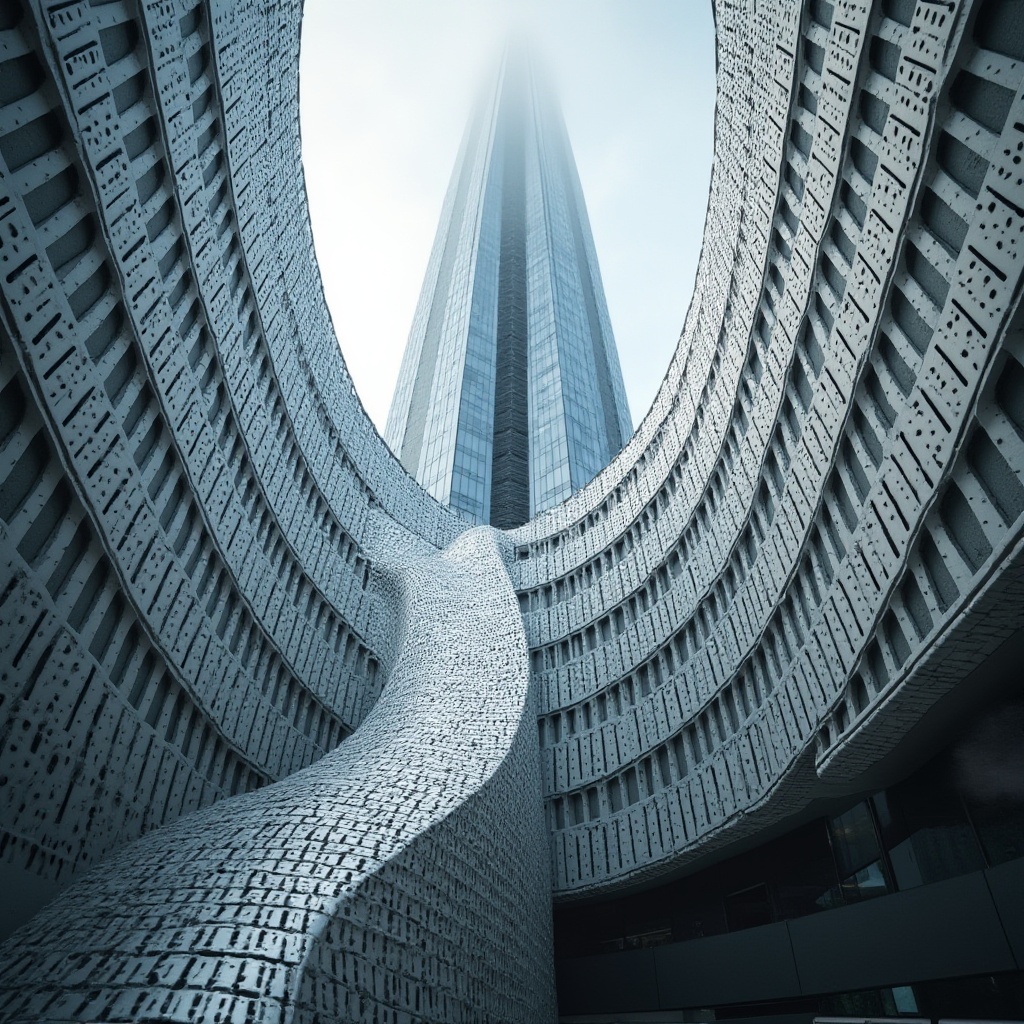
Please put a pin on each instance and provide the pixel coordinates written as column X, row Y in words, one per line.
column 858, row 854
column 925, row 830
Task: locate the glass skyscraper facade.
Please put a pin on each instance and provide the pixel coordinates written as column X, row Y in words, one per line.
column 510, row 395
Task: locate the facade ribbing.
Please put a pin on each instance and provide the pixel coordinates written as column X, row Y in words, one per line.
column 269, row 711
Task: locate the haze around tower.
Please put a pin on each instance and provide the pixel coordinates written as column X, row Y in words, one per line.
column 386, row 89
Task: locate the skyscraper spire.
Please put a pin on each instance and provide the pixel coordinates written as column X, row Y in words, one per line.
column 510, row 395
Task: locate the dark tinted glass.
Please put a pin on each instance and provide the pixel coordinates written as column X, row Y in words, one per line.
column 925, row 830
column 858, row 855
column 748, row 908
column 854, row 842
column 698, row 919
column 803, row 875
column 1000, row 827
column 987, row 768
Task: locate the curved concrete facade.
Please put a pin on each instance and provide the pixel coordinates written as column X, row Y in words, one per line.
column 813, row 538
column 815, row 533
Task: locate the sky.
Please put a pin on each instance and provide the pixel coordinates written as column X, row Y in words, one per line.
column 386, row 88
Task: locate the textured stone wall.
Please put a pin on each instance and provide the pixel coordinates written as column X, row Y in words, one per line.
column 194, row 529
column 185, row 600
column 211, row 568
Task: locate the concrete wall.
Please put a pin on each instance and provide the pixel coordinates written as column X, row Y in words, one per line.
column 199, row 549
column 403, row 876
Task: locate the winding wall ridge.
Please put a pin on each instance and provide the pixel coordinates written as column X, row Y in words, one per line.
column 404, row 876
column 813, row 537
column 186, row 603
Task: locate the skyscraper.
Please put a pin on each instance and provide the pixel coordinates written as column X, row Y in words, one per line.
column 510, row 396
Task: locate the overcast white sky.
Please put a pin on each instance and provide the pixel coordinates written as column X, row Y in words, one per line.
column 386, row 88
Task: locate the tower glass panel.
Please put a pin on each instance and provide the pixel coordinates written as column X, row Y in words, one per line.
column 510, row 395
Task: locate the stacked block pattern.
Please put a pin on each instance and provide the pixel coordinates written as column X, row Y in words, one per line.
column 814, row 535
column 403, row 877
column 186, row 606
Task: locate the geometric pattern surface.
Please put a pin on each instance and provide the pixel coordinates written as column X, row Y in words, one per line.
column 404, row 876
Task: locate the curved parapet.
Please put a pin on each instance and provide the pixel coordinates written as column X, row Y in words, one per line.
column 812, row 540
column 406, row 871
column 814, row 536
